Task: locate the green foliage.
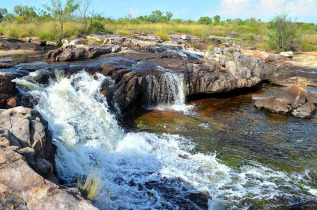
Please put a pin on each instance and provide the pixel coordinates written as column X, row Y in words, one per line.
column 165, row 36
column 283, row 34
column 205, row 20
column 91, row 187
column 3, row 12
column 217, row 18
column 62, row 12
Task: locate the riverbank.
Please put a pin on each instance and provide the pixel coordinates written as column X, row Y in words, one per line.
column 167, row 155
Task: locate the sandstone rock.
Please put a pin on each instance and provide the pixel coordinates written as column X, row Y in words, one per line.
column 117, row 40
column 312, row 97
column 306, row 111
column 274, row 57
column 275, row 105
column 288, row 54
column 296, row 96
column 50, row 43
column 25, row 128
column 75, row 42
column 22, row 188
column 185, row 37
column 7, row 89
column 218, row 50
column 77, row 53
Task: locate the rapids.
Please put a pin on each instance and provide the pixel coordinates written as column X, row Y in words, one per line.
column 143, row 170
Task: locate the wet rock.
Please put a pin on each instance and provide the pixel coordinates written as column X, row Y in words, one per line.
column 22, row 188
column 274, row 105
column 24, row 128
column 288, row 54
column 312, row 97
column 77, row 53
column 7, row 89
column 305, row 111
column 274, row 57
column 296, row 96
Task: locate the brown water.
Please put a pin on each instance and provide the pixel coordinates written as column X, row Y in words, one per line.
column 243, row 136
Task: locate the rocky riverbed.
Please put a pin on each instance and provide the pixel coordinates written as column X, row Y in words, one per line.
column 65, row 119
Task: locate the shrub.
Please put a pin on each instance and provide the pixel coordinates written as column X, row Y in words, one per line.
column 205, row 20
column 283, row 34
column 165, row 36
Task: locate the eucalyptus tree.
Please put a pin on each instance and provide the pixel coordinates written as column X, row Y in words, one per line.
column 62, row 12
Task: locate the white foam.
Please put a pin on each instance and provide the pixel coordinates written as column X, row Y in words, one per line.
column 89, row 138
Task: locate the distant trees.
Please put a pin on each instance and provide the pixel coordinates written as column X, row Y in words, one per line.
column 205, row 20
column 62, row 12
column 217, row 19
column 283, row 34
column 24, row 13
column 3, row 12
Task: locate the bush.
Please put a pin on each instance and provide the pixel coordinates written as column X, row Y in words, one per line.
column 165, row 36
column 97, row 26
column 283, row 34
column 205, row 20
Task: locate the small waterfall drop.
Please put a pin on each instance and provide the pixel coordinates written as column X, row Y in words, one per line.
column 142, row 170
column 166, row 92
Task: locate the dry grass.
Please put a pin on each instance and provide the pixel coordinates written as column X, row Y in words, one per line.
column 165, row 36
column 309, row 42
column 91, row 187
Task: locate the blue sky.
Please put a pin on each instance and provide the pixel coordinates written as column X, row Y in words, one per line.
column 303, row 10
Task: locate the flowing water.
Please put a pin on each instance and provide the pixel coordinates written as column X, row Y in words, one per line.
column 226, row 156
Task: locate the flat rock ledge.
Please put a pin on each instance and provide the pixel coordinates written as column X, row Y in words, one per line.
column 296, row 100
column 27, row 165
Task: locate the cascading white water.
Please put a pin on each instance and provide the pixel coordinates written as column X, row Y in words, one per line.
column 167, row 92
column 142, row 170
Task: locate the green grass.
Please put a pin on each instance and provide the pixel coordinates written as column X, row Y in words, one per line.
column 165, row 36
column 248, row 35
column 91, row 187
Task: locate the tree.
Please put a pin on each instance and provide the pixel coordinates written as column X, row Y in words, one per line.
column 169, row 16
column 283, row 34
column 3, row 12
column 24, row 13
column 62, row 12
column 217, row 19
column 205, row 20
column 84, row 12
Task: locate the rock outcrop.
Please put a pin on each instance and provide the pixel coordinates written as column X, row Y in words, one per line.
column 27, row 165
column 295, row 100
column 7, row 90
column 22, row 188
column 274, row 105
column 79, row 52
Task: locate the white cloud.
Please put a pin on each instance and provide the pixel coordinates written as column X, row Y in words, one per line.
column 268, row 8
column 134, row 12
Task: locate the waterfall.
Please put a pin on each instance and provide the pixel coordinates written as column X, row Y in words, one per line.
column 166, row 92
column 141, row 170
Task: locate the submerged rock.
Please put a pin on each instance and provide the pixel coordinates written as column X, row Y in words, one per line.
column 306, row 111
column 275, row 105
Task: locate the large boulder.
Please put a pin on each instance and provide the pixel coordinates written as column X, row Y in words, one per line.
column 275, row 105
column 22, row 188
column 306, row 111
column 274, row 57
column 288, row 54
column 25, row 128
column 296, row 96
column 79, row 52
